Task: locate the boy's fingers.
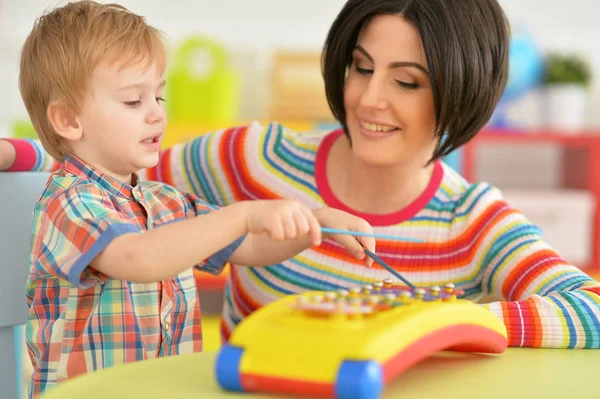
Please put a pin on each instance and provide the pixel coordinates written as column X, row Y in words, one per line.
column 314, row 225
column 368, row 243
column 302, row 223
column 352, row 245
column 276, row 229
column 289, row 226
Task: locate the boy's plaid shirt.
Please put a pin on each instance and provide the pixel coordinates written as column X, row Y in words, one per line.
column 81, row 320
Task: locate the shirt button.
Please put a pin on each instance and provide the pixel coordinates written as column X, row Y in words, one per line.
column 138, row 194
column 167, row 325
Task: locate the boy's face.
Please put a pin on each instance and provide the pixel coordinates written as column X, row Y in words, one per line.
column 123, row 119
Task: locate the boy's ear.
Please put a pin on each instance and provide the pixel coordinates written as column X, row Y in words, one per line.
column 64, row 120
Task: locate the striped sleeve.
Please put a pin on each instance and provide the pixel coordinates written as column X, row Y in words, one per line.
column 30, row 156
column 215, row 166
column 547, row 302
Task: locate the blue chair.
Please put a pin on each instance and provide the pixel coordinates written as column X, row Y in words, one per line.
column 18, row 194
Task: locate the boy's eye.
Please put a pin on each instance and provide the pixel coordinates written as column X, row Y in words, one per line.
column 133, row 104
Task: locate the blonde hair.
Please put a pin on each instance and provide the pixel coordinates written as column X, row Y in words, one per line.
column 66, row 45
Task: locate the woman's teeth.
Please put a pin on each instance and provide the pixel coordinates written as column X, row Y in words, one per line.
column 377, row 128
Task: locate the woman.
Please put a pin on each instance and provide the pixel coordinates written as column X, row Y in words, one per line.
column 410, row 81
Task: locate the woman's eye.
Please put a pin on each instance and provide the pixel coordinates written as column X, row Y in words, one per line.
column 407, row 85
column 363, row 71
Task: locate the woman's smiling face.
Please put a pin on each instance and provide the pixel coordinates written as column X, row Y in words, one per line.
column 388, row 97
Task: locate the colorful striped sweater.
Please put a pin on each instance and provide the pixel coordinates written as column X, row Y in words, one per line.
column 474, row 239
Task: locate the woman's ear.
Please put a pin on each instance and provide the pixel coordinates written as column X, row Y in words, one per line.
column 64, row 120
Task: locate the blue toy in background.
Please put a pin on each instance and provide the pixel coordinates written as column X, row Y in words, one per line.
column 526, row 68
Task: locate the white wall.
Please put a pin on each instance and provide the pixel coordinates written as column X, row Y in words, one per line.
column 258, row 26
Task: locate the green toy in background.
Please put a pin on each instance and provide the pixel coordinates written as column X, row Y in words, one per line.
column 23, row 129
column 202, row 89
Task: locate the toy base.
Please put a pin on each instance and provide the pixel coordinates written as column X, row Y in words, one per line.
column 464, row 338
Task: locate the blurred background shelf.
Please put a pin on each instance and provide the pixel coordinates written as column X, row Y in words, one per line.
column 553, row 176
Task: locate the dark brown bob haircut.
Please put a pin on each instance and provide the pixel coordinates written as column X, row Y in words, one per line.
column 466, row 44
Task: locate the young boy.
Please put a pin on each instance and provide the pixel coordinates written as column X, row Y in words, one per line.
column 111, row 276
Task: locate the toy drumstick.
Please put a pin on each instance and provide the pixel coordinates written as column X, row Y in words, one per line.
column 374, row 235
column 388, row 267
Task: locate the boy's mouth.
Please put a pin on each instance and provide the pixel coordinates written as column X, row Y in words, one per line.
column 151, row 140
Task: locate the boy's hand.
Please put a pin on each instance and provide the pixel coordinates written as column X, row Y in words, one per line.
column 7, row 155
column 341, row 220
column 282, row 220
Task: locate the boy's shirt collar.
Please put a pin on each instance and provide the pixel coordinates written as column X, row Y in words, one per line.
column 80, row 168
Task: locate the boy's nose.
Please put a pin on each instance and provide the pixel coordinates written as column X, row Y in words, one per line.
column 156, row 114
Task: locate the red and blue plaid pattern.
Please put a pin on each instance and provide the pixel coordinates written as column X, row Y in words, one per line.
column 81, row 320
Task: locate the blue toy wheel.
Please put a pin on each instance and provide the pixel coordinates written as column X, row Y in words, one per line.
column 227, row 368
column 359, row 380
